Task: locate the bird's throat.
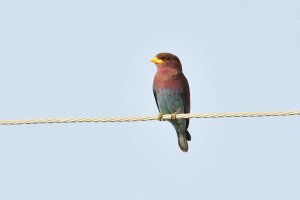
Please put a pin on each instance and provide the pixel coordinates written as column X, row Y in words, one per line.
column 167, row 70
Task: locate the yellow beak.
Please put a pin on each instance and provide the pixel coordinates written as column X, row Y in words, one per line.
column 156, row 60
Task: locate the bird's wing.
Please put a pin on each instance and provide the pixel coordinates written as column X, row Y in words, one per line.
column 156, row 99
column 186, row 97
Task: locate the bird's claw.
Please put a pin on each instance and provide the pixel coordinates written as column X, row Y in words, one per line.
column 173, row 115
column 160, row 116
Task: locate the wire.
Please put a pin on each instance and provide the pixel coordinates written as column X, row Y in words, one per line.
column 147, row 118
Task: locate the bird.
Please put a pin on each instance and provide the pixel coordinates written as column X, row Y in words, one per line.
column 172, row 94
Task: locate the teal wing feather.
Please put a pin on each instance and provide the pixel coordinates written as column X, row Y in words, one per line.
column 156, row 100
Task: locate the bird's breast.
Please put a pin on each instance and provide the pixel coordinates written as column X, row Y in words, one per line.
column 168, row 81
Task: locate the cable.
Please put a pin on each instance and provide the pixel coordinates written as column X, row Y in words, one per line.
column 147, row 118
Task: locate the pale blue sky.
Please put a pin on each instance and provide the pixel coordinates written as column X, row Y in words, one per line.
column 88, row 58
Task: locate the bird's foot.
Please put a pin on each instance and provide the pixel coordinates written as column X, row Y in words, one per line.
column 173, row 115
column 160, row 116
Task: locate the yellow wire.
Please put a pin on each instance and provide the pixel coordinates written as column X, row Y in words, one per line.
column 147, row 118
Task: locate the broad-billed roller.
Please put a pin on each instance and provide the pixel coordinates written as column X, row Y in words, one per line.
column 172, row 94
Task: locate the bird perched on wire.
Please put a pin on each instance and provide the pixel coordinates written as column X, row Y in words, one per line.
column 172, row 94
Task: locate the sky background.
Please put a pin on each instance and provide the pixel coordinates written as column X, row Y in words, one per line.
column 88, row 58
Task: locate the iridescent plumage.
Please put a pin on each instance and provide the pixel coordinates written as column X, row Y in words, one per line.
column 172, row 95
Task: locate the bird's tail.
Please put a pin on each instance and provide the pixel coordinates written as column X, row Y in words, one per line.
column 188, row 135
column 182, row 141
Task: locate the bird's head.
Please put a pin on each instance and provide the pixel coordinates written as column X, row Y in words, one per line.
column 167, row 60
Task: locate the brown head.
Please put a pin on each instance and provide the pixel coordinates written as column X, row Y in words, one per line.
column 167, row 60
